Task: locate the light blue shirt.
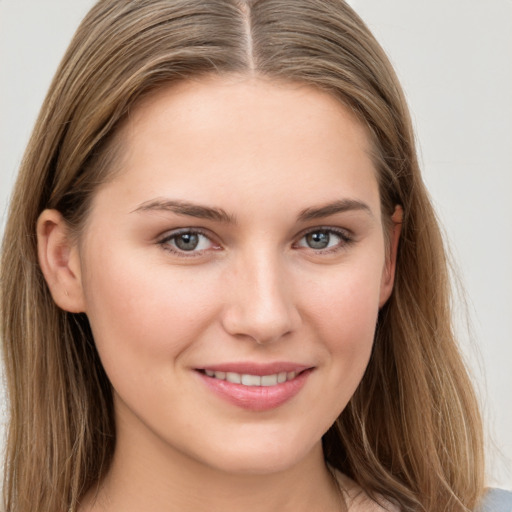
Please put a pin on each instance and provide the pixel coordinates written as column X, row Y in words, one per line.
column 496, row 500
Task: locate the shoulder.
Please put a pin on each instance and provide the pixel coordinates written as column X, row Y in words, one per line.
column 496, row 500
column 359, row 501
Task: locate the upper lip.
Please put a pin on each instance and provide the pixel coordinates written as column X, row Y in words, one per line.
column 252, row 368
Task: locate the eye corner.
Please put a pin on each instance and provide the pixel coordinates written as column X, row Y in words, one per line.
column 188, row 242
column 320, row 241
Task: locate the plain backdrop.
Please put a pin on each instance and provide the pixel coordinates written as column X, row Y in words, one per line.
column 454, row 58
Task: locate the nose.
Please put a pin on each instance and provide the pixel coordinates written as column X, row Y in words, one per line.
column 261, row 300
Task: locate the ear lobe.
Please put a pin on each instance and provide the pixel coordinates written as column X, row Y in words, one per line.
column 388, row 274
column 59, row 261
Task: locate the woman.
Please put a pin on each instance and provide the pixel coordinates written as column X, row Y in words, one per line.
column 172, row 319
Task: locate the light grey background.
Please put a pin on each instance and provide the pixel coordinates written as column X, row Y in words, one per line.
column 454, row 58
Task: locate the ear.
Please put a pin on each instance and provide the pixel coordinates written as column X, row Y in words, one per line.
column 60, row 262
column 388, row 273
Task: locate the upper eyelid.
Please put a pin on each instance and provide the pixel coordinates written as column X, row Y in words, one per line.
column 346, row 239
column 344, row 233
column 167, row 235
column 337, row 230
column 164, row 244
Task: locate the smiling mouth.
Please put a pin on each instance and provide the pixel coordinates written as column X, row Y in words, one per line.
column 254, row 387
column 246, row 379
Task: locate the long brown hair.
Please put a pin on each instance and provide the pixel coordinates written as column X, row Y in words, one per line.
column 412, row 431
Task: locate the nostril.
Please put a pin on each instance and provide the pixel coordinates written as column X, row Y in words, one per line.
column 262, row 327
column 259, row 302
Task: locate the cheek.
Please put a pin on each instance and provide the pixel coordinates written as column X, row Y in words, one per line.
column 343, row 309
column 346, row 302
column 144, row 314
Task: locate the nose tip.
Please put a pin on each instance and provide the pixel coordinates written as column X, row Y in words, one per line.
column 264, row 325
column 261, row 307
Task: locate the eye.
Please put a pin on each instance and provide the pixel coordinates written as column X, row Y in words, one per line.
column 324, row 239
column 187, row 241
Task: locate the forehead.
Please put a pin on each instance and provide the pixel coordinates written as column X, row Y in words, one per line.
column 217, row 137
column 245, row 105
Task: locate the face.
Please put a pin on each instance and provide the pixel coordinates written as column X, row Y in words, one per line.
column 233, row 269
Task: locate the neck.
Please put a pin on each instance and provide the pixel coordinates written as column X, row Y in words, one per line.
column 147, row 474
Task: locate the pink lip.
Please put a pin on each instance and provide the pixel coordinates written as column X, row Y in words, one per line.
column 256, row 398
column 257, row 368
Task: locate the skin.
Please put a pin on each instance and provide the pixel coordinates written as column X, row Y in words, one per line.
column 254, row 290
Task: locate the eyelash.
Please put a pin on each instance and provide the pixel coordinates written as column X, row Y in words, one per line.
column 345, row 237
column 165, row 242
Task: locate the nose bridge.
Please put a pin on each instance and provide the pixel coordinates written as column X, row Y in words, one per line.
column 262, row 301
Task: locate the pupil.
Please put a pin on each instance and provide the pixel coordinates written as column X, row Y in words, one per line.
column 187, row 241
column 318, row 239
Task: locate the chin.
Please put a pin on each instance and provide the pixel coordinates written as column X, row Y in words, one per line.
column 256, row 464
column 260, row 458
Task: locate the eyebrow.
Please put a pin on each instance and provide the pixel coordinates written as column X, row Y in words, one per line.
column 186, row 208
column 218, row 214
column 343, row 205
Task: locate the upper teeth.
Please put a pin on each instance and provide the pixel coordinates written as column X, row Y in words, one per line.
column 252, row 380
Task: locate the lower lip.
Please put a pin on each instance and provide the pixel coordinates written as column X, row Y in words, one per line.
column 256, row 398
